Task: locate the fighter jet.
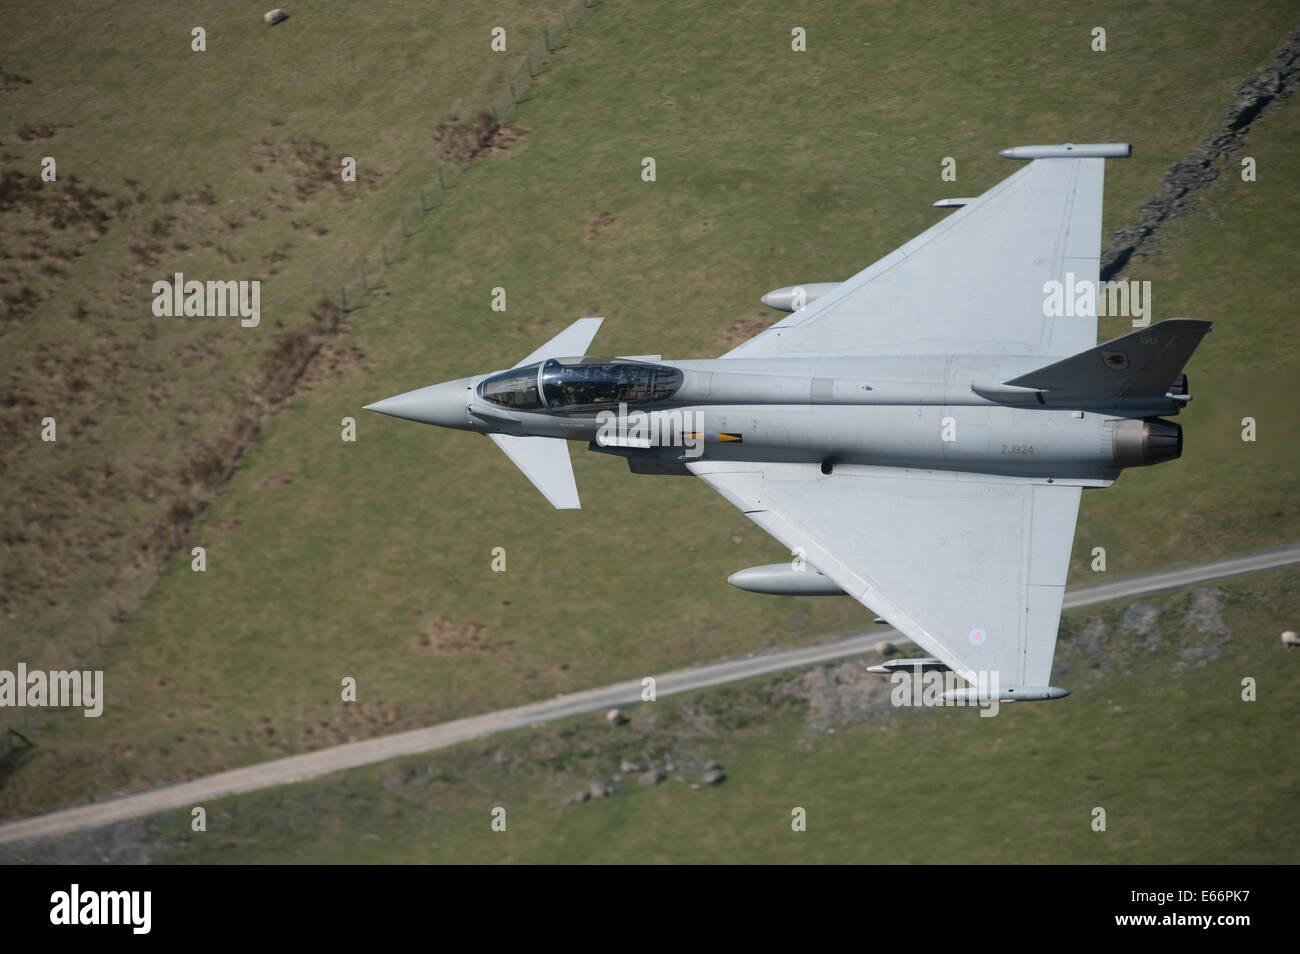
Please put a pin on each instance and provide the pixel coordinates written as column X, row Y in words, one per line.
column 918, row 436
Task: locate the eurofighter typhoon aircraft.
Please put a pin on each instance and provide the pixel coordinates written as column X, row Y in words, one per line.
column 918, row 435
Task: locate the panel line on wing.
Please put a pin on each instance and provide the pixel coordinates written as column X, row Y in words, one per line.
column 971, row 569
column 972, row 283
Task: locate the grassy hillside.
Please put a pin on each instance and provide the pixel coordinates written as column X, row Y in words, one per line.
column 372, row 559
column 222, row 165
column 1155, row 733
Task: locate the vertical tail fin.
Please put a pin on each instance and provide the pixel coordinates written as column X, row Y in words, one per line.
column 1143, row 364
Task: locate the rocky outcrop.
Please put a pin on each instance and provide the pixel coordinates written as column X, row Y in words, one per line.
column 1255, row 97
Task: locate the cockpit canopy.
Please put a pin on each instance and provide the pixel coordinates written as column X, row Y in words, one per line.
column 514, row 388
column 563, row 383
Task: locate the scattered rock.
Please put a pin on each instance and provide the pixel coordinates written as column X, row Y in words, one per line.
column 886, row 648
column 1183, row 177
column 839, row 694
column 1140, row 618
column 1204, row 615
column 615, row 717
column 1197, row 657
column 652, row 778
column 1289, row 638
column 275, row 16
column 1254, row 97
column 715, row 777
column 1090, row 637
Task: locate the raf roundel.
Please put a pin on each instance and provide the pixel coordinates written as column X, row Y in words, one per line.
column 977, row 636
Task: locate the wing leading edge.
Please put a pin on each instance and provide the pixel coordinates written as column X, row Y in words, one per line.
column 972, row 283
column 970, row 567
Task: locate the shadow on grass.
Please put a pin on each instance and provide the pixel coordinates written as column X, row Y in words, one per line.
column 15, row 749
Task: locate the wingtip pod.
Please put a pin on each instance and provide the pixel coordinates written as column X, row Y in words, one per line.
column 1070, row 150
column 969, row 695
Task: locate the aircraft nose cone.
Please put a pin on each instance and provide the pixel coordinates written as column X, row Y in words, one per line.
column 440, row 404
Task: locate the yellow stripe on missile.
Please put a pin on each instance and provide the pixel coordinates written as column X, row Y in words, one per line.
column 710, row 436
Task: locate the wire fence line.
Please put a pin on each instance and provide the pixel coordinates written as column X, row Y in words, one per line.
column 362, row 275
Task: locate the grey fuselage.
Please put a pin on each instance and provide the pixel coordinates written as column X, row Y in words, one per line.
column 894, row 411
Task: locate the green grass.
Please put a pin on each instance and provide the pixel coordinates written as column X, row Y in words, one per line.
column 1186, row 771
column 1220, row 263
column 773, row 168
column 196, row 154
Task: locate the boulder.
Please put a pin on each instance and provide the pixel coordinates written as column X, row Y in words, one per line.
column 1140, row 618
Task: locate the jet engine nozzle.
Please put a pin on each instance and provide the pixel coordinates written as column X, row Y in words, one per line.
column 1140, row 443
